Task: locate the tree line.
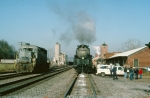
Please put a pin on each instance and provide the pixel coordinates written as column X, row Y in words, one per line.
column 6, row 51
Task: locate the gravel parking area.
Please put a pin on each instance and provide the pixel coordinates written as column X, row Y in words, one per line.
column 122, row 88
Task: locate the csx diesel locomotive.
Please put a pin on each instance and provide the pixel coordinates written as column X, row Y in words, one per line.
column 83, row 59
column 31, row 58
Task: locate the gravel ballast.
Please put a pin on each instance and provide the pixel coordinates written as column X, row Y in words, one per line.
column 52, row 88
column 106, row 86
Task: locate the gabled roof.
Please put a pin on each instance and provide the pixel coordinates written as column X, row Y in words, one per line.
column 127, row 53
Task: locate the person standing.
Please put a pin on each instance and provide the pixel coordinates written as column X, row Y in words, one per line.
column 111, row 67
column 128, row 71
column 136, row 73
column 131, row 73
column 140, row 73
column 125, row 72
column 114, row 73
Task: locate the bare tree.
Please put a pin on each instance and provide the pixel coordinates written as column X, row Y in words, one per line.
column 131, row 44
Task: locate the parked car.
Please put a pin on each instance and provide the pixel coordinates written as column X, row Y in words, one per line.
column 104, row 70
column 147, row 68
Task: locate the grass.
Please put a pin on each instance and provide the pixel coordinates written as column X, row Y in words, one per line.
column 6, row 67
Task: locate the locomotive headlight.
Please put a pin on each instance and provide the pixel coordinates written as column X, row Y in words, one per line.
column 82, row 57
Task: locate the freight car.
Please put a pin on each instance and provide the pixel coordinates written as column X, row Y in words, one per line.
column 83, row 59
column 31, row 58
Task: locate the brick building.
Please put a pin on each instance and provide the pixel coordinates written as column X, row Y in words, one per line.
column 103, row 50
column 139, row 57
column 107, row 55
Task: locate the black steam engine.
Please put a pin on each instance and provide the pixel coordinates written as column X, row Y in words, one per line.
column 83, row 59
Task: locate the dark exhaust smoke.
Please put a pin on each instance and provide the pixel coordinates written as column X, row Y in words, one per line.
column 82, row 26
column 84, row 29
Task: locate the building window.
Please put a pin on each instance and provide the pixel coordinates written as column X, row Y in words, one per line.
column 136, row 62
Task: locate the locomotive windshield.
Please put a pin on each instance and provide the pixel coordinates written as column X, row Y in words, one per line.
column 25, row 58
column 25, row 54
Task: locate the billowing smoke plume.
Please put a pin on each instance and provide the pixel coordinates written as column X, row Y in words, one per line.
column 97, row 49
column 82, row 26
column 66, row 37
column 84, row 29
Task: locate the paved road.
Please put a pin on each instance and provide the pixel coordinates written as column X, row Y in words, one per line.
column 122, row 88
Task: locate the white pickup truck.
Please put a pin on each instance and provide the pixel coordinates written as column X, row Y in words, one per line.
column 147, row 68
column 104, row 70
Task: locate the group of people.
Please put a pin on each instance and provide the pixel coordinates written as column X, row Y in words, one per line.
column 133, row 72
column 128, row 72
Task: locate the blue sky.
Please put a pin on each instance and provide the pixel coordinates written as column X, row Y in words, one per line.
column 73, row 22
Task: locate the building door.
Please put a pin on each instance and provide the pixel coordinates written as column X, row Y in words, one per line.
column 136, row 62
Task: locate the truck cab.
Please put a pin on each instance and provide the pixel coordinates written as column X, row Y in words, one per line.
column 105, row 70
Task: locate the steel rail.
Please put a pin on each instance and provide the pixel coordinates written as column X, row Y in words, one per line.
column 11, row 76
column 16, row 85
column 71, row 87
column 69, row 91
column 94, row 92
column 8, row 76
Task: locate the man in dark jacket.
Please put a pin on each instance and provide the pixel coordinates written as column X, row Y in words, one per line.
column 131, row 73
column 114, row 73
column 136, row 73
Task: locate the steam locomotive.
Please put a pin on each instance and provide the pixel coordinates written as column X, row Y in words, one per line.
column 31, row 58
column 83, row 59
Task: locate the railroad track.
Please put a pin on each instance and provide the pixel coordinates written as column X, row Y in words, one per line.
column 13, row 75
column 19, row 84
column 3, row 77
column 81, row 87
